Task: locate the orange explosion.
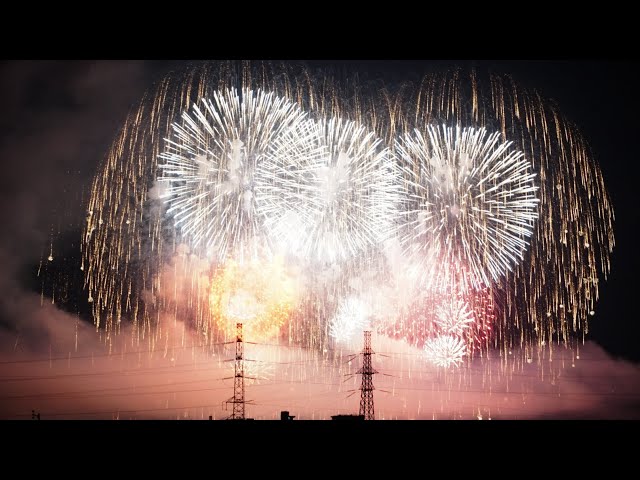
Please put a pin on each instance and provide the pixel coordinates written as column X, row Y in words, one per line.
column 259, row 294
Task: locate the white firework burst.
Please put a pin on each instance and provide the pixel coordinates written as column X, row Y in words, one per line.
column 445, row 350
column 209, row 164
column 351, row 319
column 453, row 317
column 472, row 202
column 334, row 202
column 242, row 306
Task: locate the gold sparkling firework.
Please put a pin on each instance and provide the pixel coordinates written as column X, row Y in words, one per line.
column 128, row 245
column 134, row 268
column 547, row 296
column 259, row 294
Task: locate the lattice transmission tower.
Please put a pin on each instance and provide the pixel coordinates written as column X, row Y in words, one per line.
column 238, row 380
column 367, row 371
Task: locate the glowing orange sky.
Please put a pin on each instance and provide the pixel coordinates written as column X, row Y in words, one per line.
column 178, row 381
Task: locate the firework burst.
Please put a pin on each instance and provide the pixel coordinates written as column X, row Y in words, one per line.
column 454, row 317
column 472, row 202
column 214, row 120
column 210, row 163
column 258, row 294
column 336, row 203
column 351, row 319
column 501, row 186
column 492, row 197
column 445, row 350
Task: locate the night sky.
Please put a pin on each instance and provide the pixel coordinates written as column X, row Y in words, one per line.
column 59, row 118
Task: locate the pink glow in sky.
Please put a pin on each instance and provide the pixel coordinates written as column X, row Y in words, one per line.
column 63, row 370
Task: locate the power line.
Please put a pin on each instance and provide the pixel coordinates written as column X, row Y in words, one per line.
column 113, row 355
column 81, row 394
column 180, row 368
column 116, row 411
column 320, row 364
